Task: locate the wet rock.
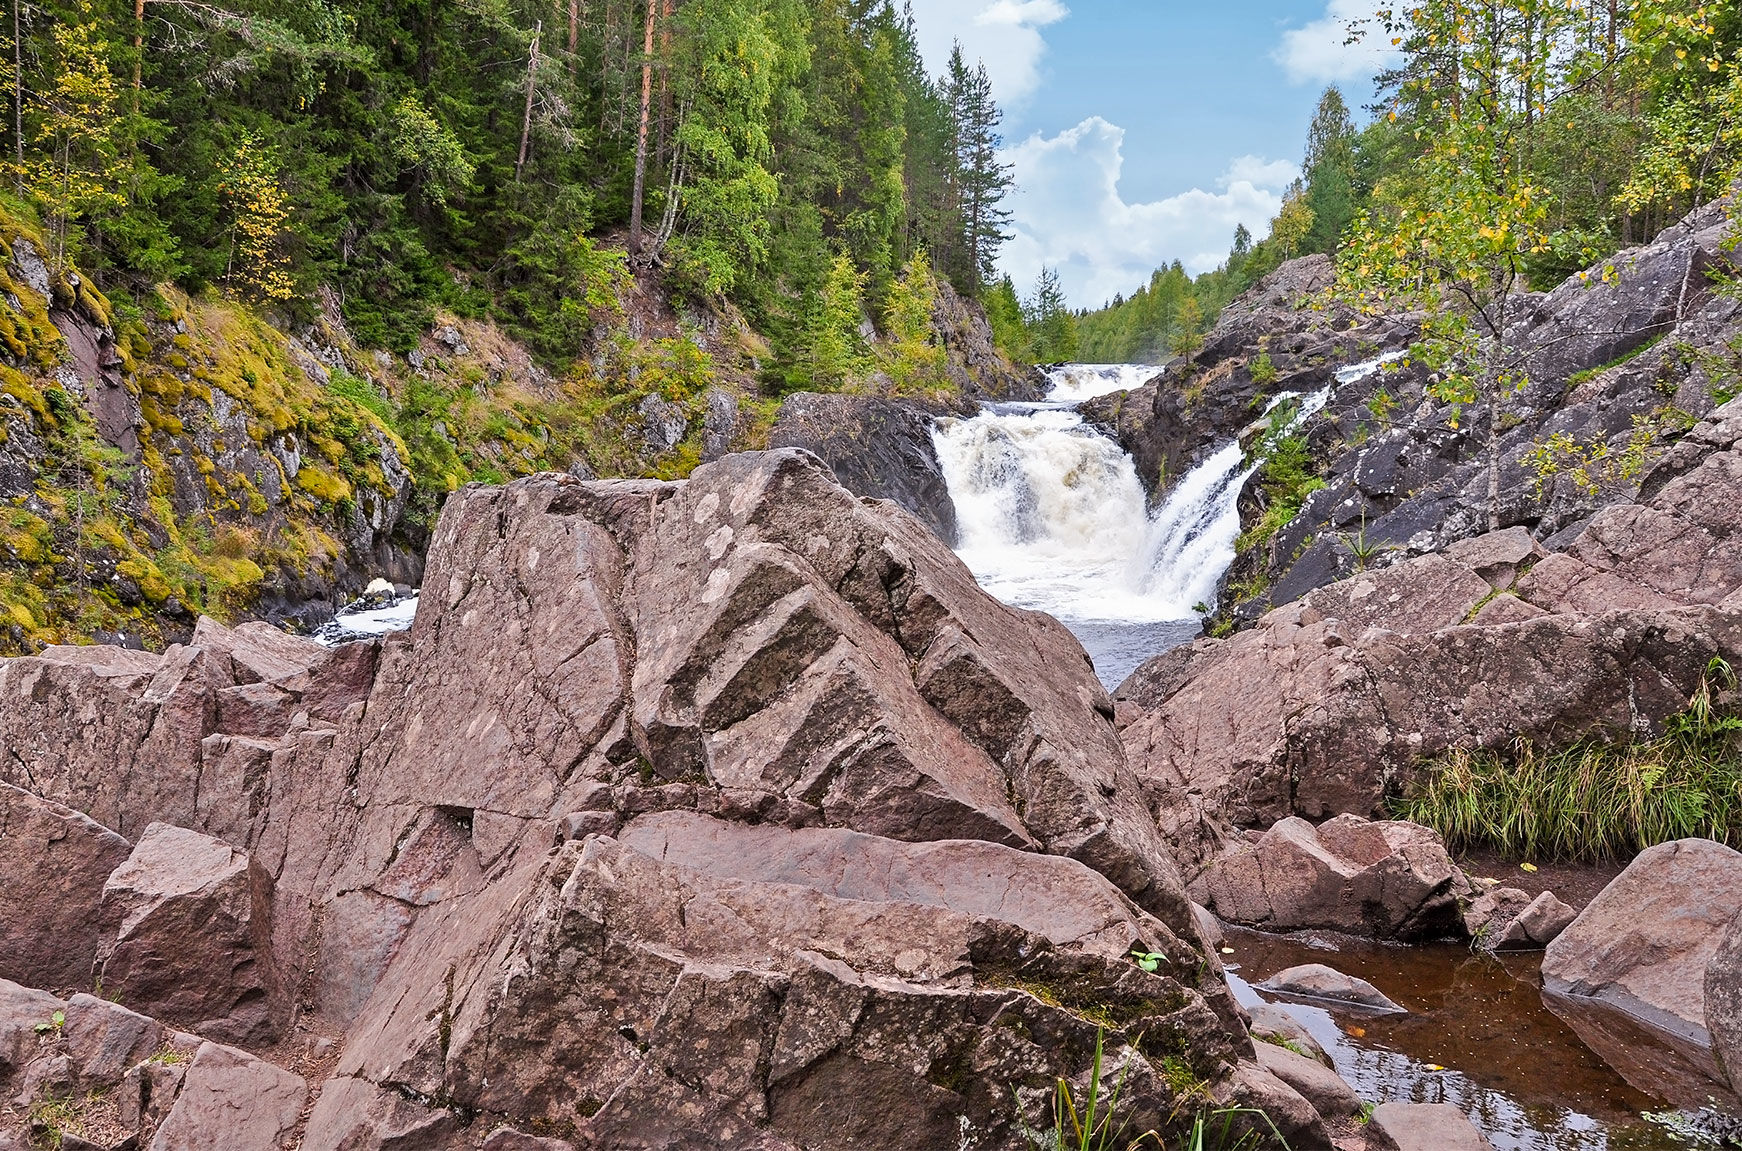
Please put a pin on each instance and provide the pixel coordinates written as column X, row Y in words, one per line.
column 1508, row 919
column 1272, row 1023
column 1724, row 1004
column 1645, row 943
column 1323, row 1088
column 1251, row 1086
column 53, row 864
column 194, row 942
column 1651, row 1060
column 880, row 449
column 232, row 1100
column 1316, row 981
column 1384, row 879
column 1424, row 1127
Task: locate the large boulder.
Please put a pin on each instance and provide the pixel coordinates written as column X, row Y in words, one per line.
column 683, row 813
column 1724, row 1003
column 193, row 943
column 1387, row 879
column 53, row 864
column 1645, row 943
column 699, row 976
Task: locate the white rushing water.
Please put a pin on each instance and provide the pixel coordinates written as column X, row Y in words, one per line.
column 1052, row 516
column 349, row 626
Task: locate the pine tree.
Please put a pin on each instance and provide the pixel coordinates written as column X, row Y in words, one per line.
column 981, row 181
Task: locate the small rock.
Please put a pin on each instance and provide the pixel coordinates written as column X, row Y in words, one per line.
column 1316, row 981
column 1424, row 1127
column 232, row 1100
column 1272, row 1023
column 1323, row 1088
column 1510, row 920
column 194, row 945
column 1387, row 879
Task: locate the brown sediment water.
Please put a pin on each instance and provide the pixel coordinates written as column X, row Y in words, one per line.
column 1480, row 1036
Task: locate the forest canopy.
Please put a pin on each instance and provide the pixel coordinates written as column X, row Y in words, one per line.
column 507, row 158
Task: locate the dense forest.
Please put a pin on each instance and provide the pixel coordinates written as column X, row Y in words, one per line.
column 1609, row 119
column 511, row 159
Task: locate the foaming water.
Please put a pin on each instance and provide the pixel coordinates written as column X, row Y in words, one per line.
column 350, row 626
column 1052, row 517
column 1074, row 383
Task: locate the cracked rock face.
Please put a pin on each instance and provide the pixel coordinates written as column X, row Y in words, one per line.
column 1328, row 702
column 727, row 812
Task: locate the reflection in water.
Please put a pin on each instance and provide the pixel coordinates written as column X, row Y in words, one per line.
column 1478, row 1036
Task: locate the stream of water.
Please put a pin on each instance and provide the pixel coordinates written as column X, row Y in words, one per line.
column 1053, row 517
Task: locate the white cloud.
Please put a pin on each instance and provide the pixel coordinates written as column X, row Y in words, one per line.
column 1260, row 172
column 1318, row 54
column 1067, row 214
column 1005, row 34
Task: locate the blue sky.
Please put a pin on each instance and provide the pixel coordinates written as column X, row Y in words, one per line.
column 1143, row 131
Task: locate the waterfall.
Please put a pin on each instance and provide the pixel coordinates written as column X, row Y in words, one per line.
column 1052, row 515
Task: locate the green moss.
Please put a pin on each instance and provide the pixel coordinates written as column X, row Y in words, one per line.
column 325, row 486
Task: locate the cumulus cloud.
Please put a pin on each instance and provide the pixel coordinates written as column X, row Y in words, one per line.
column 1068, row 214
column 1318, row 54
column 1005, row 34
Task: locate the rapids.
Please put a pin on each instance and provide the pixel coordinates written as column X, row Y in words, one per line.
column 1053, row 517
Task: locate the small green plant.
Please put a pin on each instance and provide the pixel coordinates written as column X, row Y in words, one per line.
column 1382, row 405
column 54, row 1026
column 1262, row 369
column 1596, row 466
column 1364, row 550
column 1150, row 961
column 1091, row 1126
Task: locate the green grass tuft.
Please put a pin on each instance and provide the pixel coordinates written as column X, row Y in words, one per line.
column 1593, row 801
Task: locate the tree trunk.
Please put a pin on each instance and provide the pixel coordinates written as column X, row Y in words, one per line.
column 531, row 87
column 640, row 187
column 1491, row 375
column 18, row 88
column 574, row 29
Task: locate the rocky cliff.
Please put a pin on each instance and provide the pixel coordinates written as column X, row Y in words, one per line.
column 1623, row 360
column 193, row 456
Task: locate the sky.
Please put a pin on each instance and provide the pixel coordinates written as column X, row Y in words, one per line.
column 1144, row 131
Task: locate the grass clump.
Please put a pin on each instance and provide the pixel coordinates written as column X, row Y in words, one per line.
column 1094, row 1122
column 1595, row 801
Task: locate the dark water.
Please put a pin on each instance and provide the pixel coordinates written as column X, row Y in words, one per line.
column 1480, row 1036
column 1117, row 648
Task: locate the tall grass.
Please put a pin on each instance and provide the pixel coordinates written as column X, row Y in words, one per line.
column 1594, row 801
